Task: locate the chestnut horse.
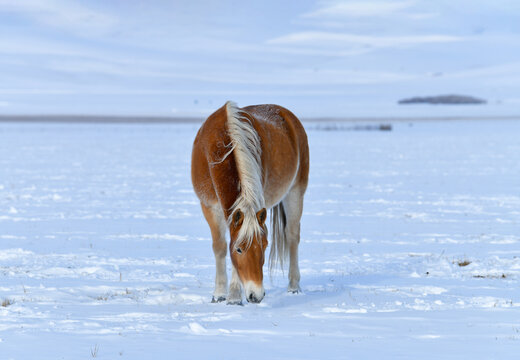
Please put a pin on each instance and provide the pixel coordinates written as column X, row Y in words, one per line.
column 244, row 161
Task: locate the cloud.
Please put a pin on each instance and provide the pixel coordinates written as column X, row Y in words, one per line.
column 169, row 92
column 321, row 38
column 359, row 9
column 306, row 76
column 508, row 69
column 24, row 45
column 505, row 75
column 35, row 91
column 61, row 14
column 367, row 14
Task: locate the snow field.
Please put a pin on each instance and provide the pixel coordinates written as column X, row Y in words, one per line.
column 410, row 247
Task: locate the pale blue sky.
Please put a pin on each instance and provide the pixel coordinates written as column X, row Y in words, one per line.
column 318, row 58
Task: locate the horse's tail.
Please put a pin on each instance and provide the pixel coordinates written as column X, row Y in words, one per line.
column 279, row 248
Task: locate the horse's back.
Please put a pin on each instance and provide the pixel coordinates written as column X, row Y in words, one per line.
column 285, row 154
column 285, row 150
column 278, row 117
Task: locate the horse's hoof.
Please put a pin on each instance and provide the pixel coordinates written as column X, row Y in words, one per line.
column 235, row 302
column 219, row 299
column 294, row 291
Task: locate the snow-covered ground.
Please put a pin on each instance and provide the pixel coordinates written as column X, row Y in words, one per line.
column 410, row 247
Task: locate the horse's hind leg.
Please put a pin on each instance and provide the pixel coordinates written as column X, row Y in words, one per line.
column 293, row 205
column 215, row 218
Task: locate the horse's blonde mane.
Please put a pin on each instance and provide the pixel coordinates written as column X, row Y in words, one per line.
column 245, row 145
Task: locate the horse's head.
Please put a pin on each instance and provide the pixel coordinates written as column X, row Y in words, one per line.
column 248, row 254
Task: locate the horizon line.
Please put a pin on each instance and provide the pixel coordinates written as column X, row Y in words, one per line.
column 79, row 118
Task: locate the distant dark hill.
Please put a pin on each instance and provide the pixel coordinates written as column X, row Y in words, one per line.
column 443, row 100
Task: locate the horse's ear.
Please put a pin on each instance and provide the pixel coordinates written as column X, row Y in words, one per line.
column 261, row 216
column 238, row 218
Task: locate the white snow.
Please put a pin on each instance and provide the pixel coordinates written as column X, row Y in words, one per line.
column 104, row 250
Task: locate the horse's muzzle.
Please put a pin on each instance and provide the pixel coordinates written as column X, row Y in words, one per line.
column 254, row 293
column 253, row 299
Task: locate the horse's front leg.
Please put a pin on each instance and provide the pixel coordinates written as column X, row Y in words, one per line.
column 235, row 290
column 217, row 224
